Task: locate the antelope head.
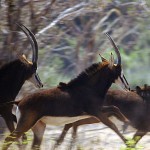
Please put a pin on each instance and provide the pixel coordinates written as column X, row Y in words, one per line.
column 117, row 68
column 32, row 75
column 144, row 92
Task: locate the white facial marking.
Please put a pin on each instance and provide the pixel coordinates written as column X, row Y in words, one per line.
column 58, row 121
column 122, row 82
column 119, row 83
column 18, row 114
column 34, row 80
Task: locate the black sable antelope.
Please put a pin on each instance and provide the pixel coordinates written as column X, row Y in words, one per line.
column 134, row 105
column 81, row 98
column 14, row 74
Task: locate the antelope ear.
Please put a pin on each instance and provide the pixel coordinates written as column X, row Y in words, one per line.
column 24, row 56
column 111, row 61
column 138, row 88
column 103, row 59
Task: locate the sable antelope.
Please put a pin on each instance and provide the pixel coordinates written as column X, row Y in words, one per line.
column 81, row 98
column 134, row 105
column 14, row 74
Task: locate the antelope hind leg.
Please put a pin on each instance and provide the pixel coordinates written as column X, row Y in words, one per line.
column 38, row 131
column 24, row 136
column 113, row 110
column 9, row 119
column 62, row 136
column 24, row 124
column 74, row 135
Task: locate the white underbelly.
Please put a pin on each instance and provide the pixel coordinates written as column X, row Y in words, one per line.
column 59, row 121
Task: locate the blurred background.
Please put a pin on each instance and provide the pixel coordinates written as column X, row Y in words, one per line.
column 70, row 35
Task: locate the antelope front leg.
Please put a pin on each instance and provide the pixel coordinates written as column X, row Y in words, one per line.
column 75, row 125
column 104, row 119
column 63, row 134
column 38, row 130
column 74, row 135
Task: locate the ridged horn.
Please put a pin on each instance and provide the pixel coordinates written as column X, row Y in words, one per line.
column 115, row 47
column 32, row 40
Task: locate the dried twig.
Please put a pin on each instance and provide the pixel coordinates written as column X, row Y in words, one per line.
column 68, row 12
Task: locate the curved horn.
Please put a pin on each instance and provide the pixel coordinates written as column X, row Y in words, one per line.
column 32, row 40
column 115, row 47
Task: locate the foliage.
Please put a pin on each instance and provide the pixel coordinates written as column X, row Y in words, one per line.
column 131, row 145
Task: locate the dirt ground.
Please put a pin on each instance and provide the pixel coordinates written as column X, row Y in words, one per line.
column 90, row 137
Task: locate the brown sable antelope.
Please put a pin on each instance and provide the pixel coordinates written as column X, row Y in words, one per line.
column 81, row 98
column 135, row 105
column 14, row 74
